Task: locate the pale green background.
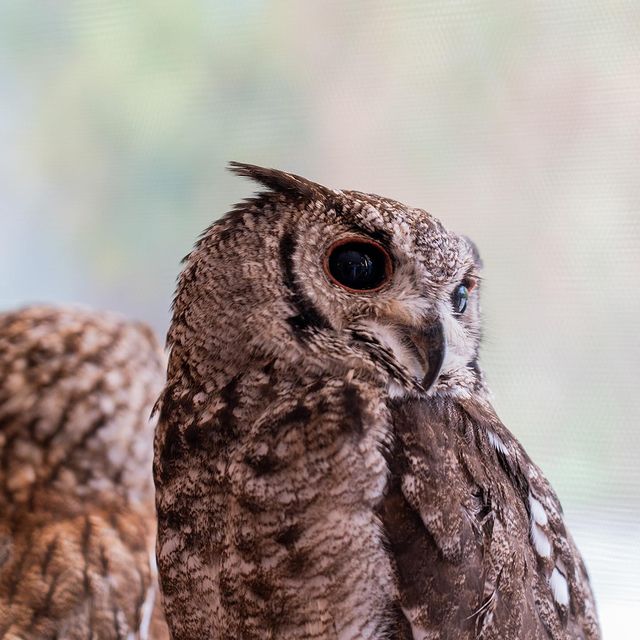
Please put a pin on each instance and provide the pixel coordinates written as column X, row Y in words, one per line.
column 517, row 123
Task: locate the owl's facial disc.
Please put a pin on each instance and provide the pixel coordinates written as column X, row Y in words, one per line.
column 361, row 266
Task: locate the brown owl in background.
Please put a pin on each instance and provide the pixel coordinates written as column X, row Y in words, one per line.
column 77, row 524
column 327, row 461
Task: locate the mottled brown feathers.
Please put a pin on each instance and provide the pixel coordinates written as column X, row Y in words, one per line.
column 308, row 484
column 76, row 517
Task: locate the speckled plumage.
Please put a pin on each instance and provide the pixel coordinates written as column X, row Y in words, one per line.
column 76, row 498
column 310, row 483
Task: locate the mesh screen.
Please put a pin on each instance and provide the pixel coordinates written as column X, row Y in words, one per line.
column 515, row 123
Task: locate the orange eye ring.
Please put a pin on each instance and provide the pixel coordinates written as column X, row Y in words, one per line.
column 358, row 264
column 470, row 282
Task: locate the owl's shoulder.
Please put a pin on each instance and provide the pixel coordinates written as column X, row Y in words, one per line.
column 466, row 499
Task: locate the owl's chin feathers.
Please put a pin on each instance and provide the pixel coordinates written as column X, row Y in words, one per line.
column 413, row 356
column 431, row 346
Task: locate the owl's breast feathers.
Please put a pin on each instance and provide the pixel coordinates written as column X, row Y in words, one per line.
column 476, row 532
column 266, row 496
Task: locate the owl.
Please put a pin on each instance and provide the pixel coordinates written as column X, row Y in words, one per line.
column 77, row 525
column 327, row 461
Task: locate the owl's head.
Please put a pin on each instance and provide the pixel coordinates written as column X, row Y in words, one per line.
column 324, row 280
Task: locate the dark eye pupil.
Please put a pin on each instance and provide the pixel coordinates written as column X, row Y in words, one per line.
column 358, row 265
column 460, row 299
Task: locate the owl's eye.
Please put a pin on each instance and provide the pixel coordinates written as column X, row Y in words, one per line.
column 358, row 264
column 460, row 299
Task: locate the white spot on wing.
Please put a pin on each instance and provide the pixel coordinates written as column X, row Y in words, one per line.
column 496, row 442
column 559, row 587
column 538, row 513
column 539, row 519
column 540, row 541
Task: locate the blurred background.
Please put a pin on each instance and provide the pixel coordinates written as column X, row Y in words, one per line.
column 516, row 123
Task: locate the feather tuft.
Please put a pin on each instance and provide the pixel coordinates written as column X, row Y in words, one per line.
column 281, row 181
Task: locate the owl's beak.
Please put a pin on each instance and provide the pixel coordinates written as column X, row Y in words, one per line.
column 430, row 345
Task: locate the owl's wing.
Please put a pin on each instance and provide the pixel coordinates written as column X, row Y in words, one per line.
column 476, row 532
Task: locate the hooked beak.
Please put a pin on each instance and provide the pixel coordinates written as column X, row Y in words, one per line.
column 430, row 348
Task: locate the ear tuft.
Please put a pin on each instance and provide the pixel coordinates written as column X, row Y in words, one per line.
column 280, row 181
column 474, row 251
